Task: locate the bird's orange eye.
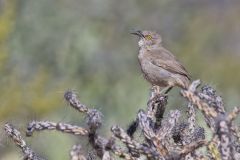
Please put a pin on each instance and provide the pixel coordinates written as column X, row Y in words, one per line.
column 148, row 37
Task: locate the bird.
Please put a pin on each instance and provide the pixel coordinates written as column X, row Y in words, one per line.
column 158, row 65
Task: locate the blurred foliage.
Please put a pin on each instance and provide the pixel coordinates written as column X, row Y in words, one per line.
column 6, row 23
column 49, row 46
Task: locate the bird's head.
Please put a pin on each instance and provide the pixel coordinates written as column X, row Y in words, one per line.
column 148, row 38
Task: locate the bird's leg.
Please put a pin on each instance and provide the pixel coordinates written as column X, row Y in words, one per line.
column 158, row 90
column 168, row 89
column 165, row 90
column 155, row 90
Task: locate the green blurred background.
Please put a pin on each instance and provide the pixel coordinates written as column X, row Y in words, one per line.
column 50, row 46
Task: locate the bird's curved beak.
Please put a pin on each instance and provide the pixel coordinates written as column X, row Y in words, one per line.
column 138, row 33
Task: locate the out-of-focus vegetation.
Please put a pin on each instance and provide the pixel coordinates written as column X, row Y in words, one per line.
column 49, row 46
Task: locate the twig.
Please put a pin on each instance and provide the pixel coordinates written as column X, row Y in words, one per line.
column 202, row 106
column 63, row 127
column 76, row 153
column 15, row 135
column 233, row 115
column 71, row 97
column 135, row 146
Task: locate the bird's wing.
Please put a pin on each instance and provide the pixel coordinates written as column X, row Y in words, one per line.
column 165, row 59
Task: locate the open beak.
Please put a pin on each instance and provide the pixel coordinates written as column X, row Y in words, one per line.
column 138, row 33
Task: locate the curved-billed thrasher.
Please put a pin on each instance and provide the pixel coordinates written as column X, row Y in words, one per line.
column 159, row 66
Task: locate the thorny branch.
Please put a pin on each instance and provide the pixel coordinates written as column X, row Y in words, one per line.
column 164, row 137
column 15, row 135
column 63, row 127
column 76, row 153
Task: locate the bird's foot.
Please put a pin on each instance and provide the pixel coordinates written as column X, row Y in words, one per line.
column 155, row 90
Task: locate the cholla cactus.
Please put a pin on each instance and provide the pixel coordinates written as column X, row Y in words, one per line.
column 162, row 138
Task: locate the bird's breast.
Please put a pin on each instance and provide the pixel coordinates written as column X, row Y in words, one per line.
column 154, row 74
